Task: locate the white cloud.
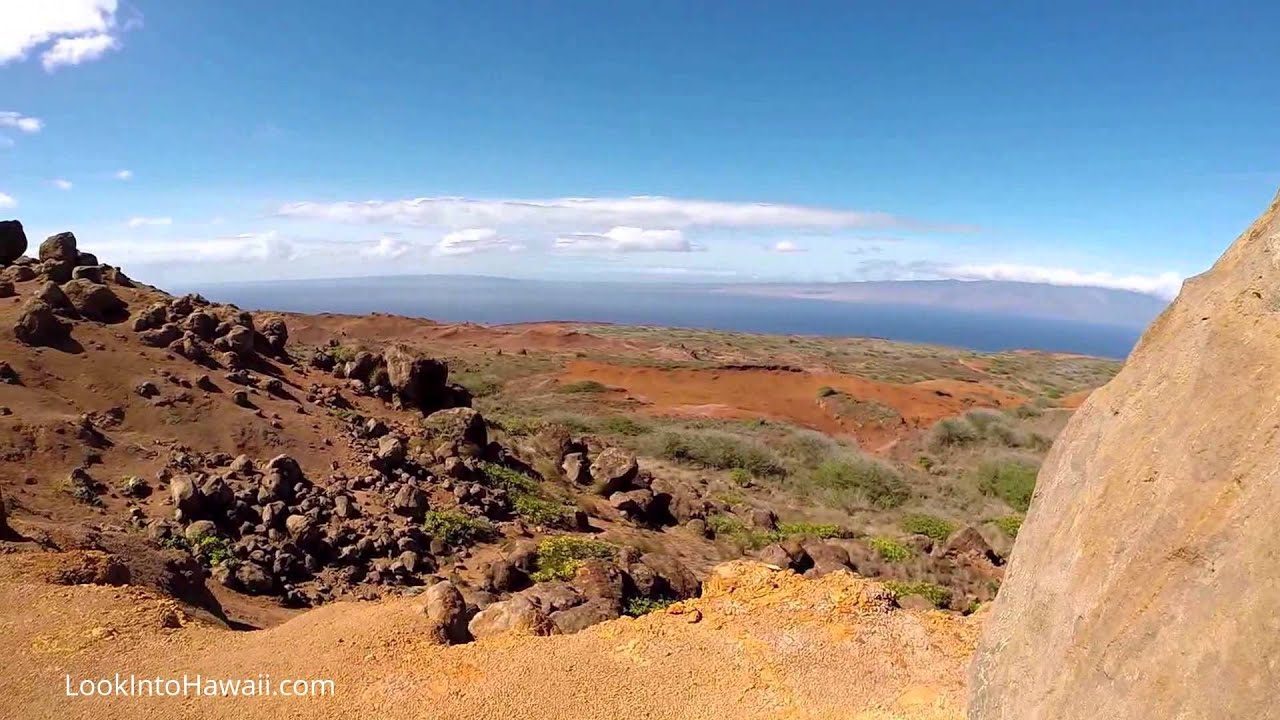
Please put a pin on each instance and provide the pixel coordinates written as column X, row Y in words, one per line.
column 474, row 240
column 7, row 201
column 786, row 246
column 124, row 175
column 149, row 221
column 61, row 183
column 69, row 31
column 625, row 239
column 18, row 121
column 248, row 247
column 643, row 211
column 1165, row 285
column 73, row 51
column 388, row 248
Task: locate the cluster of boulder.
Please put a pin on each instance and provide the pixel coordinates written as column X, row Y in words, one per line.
column 210, row 334
column 74, row 287
column 396, row 375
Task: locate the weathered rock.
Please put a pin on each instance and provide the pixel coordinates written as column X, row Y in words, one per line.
column 151, row 317
column 91, row 273
column 410, row 502
column 38, row 325
column 163, row 336
column 199, row 529
column 13, row 241
column 775, row 555
column 18, row 273
column 501, row 576
column 575, row 468
column 95, row 302
column 239, row 340
column 6, row 289
column 967, row 542
column 186, row 496
column 581, row 617
column 634, row 504
column 147, row 389
column 553, row 596
column 254, row 580
column 517, row 615
column 60, row 248
column 1142, row 584
column 51, row 293
column 680, row 582
column 390, row 453
column 613, row 471
column 276, row 333
column 446, row 608
column 459, row 426
column 362, row 366
column 418, row 381
column 599, row 580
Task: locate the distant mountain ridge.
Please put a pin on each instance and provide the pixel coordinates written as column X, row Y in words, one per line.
column 1103, row 306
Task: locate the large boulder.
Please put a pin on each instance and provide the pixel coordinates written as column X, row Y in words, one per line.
column 613, row 470
column 38, row 325
column 419, row 382
column 59, row 256
column 13, row 241
column 1143, row 583
column 446, row 609
column 518, row 615
column 459, row 426
column 92, row 301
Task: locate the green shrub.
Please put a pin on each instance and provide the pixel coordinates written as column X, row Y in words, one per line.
column 543, row 512
column 212, row 549
column 879, row 484
column 343, row 353
column 936, row 594
column 622, row 425
column 810, row 449
column 559, row 557
column 824, row 531
column 1027, row 410
column 719, row 451
column 456, row 528
column 982, row 418
column 510, row 480
column 950, row 433
column 731, row 528
column 1009, row 524
column 637, row 606
column 740, row 477
column 890, row 550
column 583, row 387
column 930, row 525
column 1012, row 480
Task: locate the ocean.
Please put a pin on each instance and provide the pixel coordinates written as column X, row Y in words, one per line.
column 486, row 300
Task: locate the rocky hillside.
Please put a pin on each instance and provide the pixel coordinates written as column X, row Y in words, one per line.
column 1144, row 580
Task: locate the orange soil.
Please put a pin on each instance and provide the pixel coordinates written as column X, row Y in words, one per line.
column 791, row 396
column 1075, row 399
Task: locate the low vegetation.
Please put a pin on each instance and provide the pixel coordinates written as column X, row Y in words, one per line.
column 928, row 525
column 637, row 606
column 560, row 556
column 1013, row 480
column 890, row 550
column 719, row 451
column 547, row 513
column 1009, row 524
column 456, row 528
column 877, row 483
column 934, row 593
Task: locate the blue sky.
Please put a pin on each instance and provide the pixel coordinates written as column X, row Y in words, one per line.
column 1076, row 144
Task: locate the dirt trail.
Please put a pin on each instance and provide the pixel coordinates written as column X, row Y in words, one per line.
column 761, row 643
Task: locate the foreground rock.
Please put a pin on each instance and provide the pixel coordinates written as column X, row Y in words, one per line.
column 1143, row 581
column 13, row 241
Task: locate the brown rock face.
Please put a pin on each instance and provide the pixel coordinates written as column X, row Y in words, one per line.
column 13, row 241
column 1144, row 581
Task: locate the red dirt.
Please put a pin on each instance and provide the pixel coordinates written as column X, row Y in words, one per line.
column 791, row 396
column 1075, row 399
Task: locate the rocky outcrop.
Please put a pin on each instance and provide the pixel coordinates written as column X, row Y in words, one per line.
column 13, row 241
column 39, row 325
column 1143, row 583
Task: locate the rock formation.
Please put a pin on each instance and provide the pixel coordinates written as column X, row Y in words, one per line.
column 1144, row 582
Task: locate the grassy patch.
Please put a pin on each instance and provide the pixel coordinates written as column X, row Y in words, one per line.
column 582, row 387
column 212, row 549
column 1011, row 480
column 890, row 550
column 877, row 483
column 456, row 528
column 637, row 606
column 622, row 425
column 934, row 593
column 546, row 513
column 719, row 451
column 733, row 528
column 510, row 480
column 951, row 433
column 824, row 531
column 559, row 557
column 930, row 525
column 1009, row 524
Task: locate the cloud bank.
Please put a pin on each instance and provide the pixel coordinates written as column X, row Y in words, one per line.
column 65, row 32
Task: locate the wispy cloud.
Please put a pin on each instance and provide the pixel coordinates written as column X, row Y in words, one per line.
column 149, row 221
column 1165, row 284
column 68, row 32
column 247, row 247
column 7, row 201
column 624, row 239
column 563, row 213
column 124, row 175
column 387, row 248
column 61, row 183
column 474, row 240
column 18, row 121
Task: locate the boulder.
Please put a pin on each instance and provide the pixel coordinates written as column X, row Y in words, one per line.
column 410, row 502
column 459, row 426
column 253, row 579
column 418, row 381
column 446, row 609
column 239, row 340
column 201, row 323
column 6, row 289
column 38, row 325
column 152, row 316
column 613, row 470
column 967, row 543
column 13, row 241
column 517, row 615
column 553, row 596
column 91, row 273
column 576, row 469
column 276, row 334
column 18, row 273
column 679, row 582
column 95, row 302
column 51, row 294
column 581, row 617
column 633, row 504
column 59, row 248
column 599, row 580
column 1143, row 581
column 501, row 576
column 163, row 336
column 186, row 496
column 390, row 453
